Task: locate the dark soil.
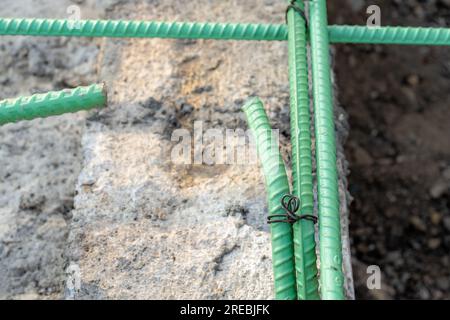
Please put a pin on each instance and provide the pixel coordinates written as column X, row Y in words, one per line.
column 398, row 101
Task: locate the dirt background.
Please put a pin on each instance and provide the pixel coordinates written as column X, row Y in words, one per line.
column 399, row 152
column 398, row 102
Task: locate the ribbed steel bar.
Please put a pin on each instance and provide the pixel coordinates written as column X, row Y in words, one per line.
column 52, row 103
column 331, row 276
column 304, row 240
column 390, row 35
column 277, row 186
column 211, row 30
column 142, row 29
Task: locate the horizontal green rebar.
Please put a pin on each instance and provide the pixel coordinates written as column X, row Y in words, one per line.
column 390, row 35
column 52, row 103
column 142, row 29
column 222, row 31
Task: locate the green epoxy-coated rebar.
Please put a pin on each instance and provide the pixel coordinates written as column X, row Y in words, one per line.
column 277, row 186
column 390, row 35
column 52, row 103
column 331, row 276
column 304, row 240
column 222, row 31
column 142, row 29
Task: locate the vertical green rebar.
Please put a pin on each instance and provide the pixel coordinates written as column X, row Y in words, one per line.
column 52, row 103
column 331, row 277
column 304, row 241
column 277, row 186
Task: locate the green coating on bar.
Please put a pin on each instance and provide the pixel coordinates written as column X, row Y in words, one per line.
column 277, row 186
column 331, row 277
column 222, row 31
column 390, row 35
column 304, row 240
column 52, row 103
column 142, row 29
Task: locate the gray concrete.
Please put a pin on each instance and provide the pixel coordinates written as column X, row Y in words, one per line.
column 142, row 226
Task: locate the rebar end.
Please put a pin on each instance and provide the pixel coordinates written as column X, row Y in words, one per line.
column 250, row 102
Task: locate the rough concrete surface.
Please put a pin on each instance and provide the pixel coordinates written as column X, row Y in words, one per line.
column 141, row 225
column 39, row 160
